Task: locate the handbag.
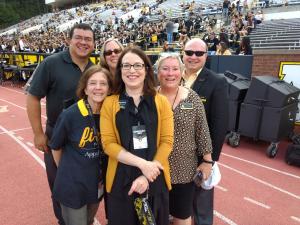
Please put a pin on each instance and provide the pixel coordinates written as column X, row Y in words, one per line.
column 214, row 178
column 143, row 210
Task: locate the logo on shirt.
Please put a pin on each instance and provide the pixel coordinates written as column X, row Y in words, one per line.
column 87, row 137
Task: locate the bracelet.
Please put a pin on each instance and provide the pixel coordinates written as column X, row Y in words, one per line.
column 206, row 161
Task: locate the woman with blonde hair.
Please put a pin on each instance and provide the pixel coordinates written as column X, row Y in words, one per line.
column 110, row 53
column 191, row 138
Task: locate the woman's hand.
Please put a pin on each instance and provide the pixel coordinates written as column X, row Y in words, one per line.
column 151, row 169
column 206, row 169
column 139, row 185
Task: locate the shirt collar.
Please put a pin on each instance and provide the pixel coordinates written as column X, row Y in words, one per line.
column 193, row 74
column 67, row 58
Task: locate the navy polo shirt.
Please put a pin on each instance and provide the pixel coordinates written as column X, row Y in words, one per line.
column 56, row 78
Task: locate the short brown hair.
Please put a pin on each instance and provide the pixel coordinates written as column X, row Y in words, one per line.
column 81, row 26
column 149, row 83
column 86, row 76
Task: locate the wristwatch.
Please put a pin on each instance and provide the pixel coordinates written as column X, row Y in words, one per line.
column 206, row 161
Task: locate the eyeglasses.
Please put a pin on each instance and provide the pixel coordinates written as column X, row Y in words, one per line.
column 95, row 83
column 110, row 52
column 136, row 66
column 197, row 53
column 80, row 38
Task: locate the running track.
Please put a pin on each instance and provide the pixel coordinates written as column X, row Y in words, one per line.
column 254, row 190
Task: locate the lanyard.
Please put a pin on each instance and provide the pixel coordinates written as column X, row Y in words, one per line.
column 92, row 121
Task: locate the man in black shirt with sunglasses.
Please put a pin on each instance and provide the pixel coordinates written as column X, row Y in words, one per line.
column 213, row 91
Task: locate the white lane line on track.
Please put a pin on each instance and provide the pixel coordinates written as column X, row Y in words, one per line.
column 43, row 102
column 18, row 106
column 225, row 219
column 25, row 147
column 26, row 128
column 30, row 144
column 261, row 181
column 257, row 203
column 20, row 138
column 295, row 218
column 221, row 188
column 9, row 89
column 266, row 167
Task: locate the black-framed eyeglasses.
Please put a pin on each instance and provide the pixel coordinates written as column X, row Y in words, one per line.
column 110, row 52
column 197, row 53
column 136, row 66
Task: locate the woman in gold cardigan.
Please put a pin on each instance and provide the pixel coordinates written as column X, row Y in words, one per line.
column 137, row 135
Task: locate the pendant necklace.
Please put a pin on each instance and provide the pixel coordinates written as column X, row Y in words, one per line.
column 174, row 97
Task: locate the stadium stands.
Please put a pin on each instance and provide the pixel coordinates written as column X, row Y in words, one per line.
column 277, row 34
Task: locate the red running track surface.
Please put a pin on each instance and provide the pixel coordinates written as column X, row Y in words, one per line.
column 255, row 190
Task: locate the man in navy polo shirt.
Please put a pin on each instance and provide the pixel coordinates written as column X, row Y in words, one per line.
column 56, row 79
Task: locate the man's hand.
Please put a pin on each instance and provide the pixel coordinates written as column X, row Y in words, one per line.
column 139, row 185
column 40, row 142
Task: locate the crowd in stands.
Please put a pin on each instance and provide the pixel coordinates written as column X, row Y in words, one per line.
column 131, row 30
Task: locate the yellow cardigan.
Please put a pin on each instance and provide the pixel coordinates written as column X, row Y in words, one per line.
column 111, row 139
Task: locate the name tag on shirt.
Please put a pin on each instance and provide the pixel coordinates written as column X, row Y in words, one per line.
column 187, row 105
column 139, row 137
column 122, row 104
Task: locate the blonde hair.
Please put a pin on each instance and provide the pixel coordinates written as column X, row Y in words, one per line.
column 169, row 55
column 103, row 62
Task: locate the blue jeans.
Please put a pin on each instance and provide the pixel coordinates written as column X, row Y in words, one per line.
column 225, row 12
column 170, row 37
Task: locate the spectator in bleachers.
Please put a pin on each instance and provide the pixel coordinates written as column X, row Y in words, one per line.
column 169, row 29
column 259, row 17
column 245, row 47
column 183, row 37
column 167, row 47
column 225, row 9
column 175, row 29
column 22, row 44
column 234, row 38
column 212, row 41
column 222, row 49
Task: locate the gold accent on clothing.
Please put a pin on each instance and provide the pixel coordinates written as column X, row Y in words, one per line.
column 189, row 80
column 111, row 141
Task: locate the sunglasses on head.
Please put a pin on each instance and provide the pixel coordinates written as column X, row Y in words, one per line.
column 197, row 53
column 110, row 52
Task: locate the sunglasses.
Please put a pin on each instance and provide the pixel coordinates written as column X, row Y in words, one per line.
column 197, row 53
column 110, row 52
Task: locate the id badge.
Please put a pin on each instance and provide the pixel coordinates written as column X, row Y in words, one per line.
column 139, row 137
column 187, row 105
column 122, row 104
